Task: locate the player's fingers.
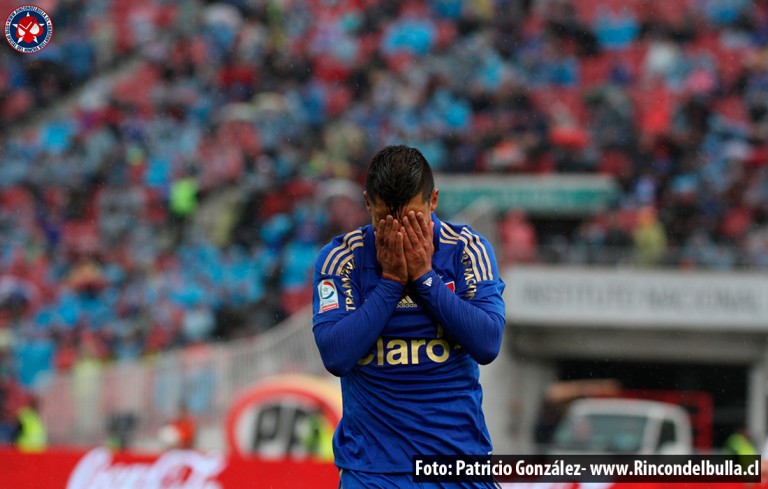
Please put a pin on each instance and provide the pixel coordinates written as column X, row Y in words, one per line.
column 410, row 231
column 388, row 226
column 393, row 235
column 423, row 226
column 414, row 220
column 392, row 241
column 407, row 243
column 379, row 232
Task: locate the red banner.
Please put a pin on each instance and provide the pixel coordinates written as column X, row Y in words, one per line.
column 181, row 469
column 185, row 469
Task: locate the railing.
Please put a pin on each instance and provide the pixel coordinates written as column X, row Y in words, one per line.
column 78, row 407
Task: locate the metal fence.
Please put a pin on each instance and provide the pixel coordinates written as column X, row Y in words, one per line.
column 84, row 406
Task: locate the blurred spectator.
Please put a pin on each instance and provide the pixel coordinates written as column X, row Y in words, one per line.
column 180, row 432
column 517, row 237
column 12, row 397
column 662, row 60
column 86, row 385
column 9, row 427
column 563, row 22
column 319, row 437
column 183, row 203
column 31, row 436
column 198, row 323
column 701, row 251
column 740, row 444
column 612, row 121
column 34, row 357
column 615, row 29
column 617, row 235
column 723, row 12
column 120, row 427
column 648, row 237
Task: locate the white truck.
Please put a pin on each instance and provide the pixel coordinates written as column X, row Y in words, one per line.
column 623, row 426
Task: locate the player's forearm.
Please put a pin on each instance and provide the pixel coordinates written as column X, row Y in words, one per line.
column 343, row 343
column 478, row 331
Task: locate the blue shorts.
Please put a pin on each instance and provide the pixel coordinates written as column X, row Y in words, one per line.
column 371, row 480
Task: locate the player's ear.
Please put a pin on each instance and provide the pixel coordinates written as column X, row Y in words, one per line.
column 433, row 200
column 367, row 201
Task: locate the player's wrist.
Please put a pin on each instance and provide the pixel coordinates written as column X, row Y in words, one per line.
column 394, row 278
column 422, row 275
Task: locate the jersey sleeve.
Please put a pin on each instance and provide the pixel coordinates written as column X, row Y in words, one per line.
column 335, row 293
column 481, row 283
column 475, row 315
column 344, row 325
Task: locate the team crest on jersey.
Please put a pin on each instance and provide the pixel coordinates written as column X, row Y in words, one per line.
column 329, row 297
column 28, row 29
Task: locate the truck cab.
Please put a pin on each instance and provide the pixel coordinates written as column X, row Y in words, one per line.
column 623, row 426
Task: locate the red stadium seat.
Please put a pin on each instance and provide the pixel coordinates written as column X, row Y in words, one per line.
column 654, row 107
column 555, row 99
column 733, row 109
column 15, row 198
column 595, row 70
column 588, row 10
column 80, row 236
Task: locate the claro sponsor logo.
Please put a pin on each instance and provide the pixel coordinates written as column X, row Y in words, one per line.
column 180, row 469
column 409, row 351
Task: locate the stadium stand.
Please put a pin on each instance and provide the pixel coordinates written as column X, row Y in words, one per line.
column 183, row 200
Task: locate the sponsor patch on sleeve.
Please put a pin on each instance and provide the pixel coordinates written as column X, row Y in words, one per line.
column 329, row 297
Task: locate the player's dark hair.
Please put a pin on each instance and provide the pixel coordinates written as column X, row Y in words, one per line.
column 396, row 175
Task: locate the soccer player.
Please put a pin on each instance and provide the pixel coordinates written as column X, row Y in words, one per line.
column 404, row 311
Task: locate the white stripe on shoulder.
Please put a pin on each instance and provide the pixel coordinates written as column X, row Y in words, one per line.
column 472, row 257
column 446, row 238
column 344, row 248
column 474, row 242
column 341, row 256
column 347, row 257
column 449, row 232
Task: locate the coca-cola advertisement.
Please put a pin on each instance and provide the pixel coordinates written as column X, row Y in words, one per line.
column 180, row 469
column 100, row 468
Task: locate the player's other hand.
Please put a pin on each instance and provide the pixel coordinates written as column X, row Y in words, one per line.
column 389, row 250
column 418, row 244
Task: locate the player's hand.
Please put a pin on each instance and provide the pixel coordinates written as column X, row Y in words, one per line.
column 418, row 244
column 389, row 250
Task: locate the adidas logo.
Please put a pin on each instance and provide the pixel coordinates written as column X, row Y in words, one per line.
column 428, row 282
column 407, row 303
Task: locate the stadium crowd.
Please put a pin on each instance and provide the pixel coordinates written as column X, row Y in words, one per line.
column 183, row 196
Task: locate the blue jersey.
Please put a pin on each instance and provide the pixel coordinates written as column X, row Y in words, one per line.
column 408, row 357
